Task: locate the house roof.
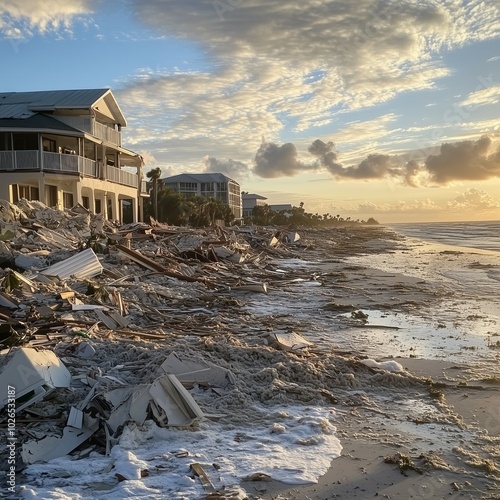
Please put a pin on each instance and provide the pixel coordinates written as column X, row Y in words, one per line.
column 251, row 196
column 205, row 177
column 38, row 121
column 24, row 104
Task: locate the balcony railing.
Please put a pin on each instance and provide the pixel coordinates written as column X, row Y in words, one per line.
column 74, row 164
column 91, row 126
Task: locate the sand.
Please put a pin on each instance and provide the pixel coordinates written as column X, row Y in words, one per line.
column 420, row 421
column 443, row 444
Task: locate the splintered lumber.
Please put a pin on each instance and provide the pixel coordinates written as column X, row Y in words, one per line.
column 205, row 481
column 154, row 266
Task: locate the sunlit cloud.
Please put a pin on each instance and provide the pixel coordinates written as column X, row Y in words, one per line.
column 483, row 97
column 23, row 19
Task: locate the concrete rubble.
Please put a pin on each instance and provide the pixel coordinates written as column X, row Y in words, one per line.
column 71, row 280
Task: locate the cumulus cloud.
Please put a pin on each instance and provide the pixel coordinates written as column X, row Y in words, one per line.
column 235, row 169
column 465, row 160
column 277, row 64
column 326, row 155
column 474, row 199
column 272, row 160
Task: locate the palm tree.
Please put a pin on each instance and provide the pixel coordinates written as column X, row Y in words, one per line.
column 155, row 175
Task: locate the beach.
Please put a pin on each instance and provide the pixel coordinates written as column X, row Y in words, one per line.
column 439, row 443
column 395, row 394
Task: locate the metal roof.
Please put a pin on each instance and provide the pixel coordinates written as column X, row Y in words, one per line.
column 205, row 177
column 25, row 104
column 38, row 121
column 251, row 196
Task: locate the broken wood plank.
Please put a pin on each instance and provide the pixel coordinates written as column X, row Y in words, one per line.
column 200, row 472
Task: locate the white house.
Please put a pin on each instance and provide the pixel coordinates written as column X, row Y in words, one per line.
column 251, row 200
column 64, row 147
column 209, row 185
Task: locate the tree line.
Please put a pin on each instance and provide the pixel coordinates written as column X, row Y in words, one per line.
column 178, row 209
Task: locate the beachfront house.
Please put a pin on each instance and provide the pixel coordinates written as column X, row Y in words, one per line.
column 64, row 147
column 251, row 200
column 209, row 185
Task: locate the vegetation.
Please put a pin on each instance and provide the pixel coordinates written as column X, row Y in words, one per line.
column 264, row 215
column 179, row 209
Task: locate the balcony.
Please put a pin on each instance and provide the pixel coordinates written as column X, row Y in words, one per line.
column 73, row 164
column 93, row 127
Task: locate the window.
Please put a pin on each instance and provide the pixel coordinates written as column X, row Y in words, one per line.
column 86, row 202
column 188, row 186
column 5, row 141
column 49, row 145
column 207, row 186
column 27, row 192
column 68, row 200
column 24, row 192
column 98, row 207
column 25, row 142
column 221, row 186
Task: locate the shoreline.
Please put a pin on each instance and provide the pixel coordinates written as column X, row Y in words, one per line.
column 464, row 467
column 366, row 467
column 378, row 412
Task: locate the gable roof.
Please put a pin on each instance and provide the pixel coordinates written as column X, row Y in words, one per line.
column 24, row 104
column 205, row 177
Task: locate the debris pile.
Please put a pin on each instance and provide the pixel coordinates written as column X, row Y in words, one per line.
column 74, row 286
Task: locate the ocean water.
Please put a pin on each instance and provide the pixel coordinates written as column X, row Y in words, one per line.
column 484, row 235
column 464, row 324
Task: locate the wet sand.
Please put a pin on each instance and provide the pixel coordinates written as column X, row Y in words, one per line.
column 438, row 442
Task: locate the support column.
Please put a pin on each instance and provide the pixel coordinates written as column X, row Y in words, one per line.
column 105, row 206
column 115, row 212
column 41, row 188
column 77, row 191
column 92, row 201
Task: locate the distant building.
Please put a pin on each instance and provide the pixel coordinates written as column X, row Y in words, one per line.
column 281, row 208
column 64, row 147
column 250, row 201
column 213, row 185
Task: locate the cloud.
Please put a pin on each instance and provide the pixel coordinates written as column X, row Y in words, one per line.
column 465, row 160
column 326, row 155
column 22, row 19
column 237, row 170
column 272, row 161
column 474, row 199
column 276, row 65
column 483, row 97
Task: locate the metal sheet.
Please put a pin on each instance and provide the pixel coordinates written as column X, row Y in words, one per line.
column 82, row 265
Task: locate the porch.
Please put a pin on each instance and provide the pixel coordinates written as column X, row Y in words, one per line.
column 12, row 161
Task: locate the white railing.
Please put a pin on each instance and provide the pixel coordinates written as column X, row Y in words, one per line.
column 19, row 160
column 60, row 162
column 121, row 177
column 29, row 160
column 106, row 133
column 87, row 124
column 87, row 167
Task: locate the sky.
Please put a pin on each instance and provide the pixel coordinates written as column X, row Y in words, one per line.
column 370, row 108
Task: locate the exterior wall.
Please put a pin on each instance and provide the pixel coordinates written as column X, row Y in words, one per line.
column 109, row 194
column 250, row 203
